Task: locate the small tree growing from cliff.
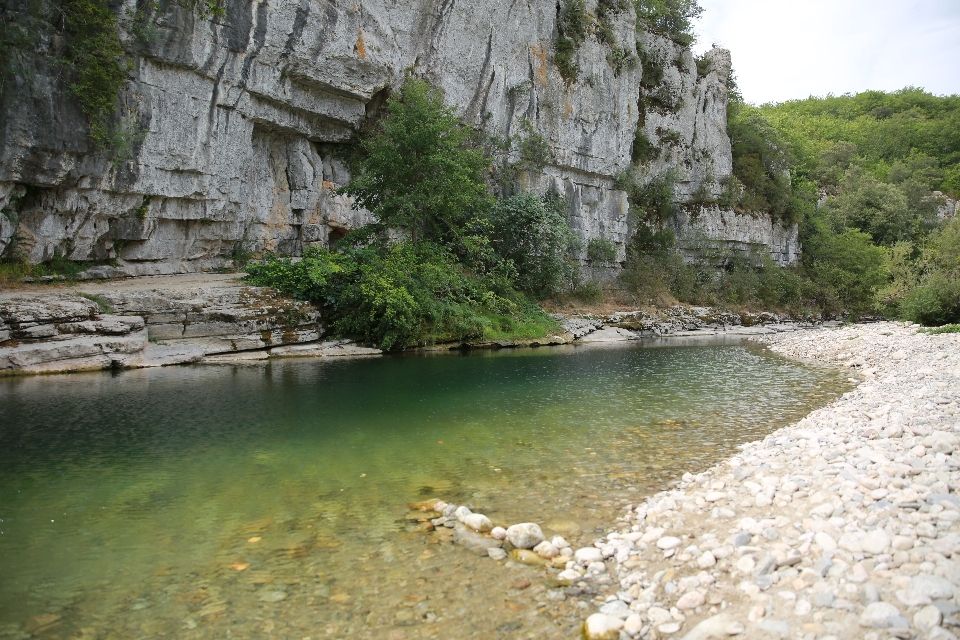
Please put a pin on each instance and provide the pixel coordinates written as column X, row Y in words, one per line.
column 419, row 170
column 672, row 18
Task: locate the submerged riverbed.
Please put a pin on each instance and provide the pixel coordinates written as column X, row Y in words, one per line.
column 270, row 499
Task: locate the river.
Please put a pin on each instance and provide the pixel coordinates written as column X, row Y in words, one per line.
column 270, row 500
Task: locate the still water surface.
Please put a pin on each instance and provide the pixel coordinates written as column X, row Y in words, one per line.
column 270, row 500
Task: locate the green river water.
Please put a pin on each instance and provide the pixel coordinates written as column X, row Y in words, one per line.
column 269, row 500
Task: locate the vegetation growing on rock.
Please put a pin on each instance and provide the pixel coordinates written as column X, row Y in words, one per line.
column 859, row 174
column 671, row 18
column 443, row 261
column 82, row 38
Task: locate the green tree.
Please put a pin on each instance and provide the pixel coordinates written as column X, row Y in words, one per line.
column 936, row 299
column 889, row 213
column 847, row 268
column 672, row 18
column 419, row 170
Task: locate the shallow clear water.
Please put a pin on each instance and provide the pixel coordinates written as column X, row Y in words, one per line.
column 132, row 503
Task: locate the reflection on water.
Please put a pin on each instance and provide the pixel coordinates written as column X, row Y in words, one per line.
column 271, row 499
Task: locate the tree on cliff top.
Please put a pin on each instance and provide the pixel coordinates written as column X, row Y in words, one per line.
column 671, row 18
column 419, row 170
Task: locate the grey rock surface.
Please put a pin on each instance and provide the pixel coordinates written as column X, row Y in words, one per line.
column 239, row 127
column 158, row 322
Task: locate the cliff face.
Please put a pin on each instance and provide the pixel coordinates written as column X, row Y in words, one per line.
column 238, row 126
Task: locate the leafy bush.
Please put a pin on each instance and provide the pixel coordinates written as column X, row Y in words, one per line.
column 846, row 268
column 935, row 302
column 307, row 279
column 534, row 151
column 532, row 234
column 401, row 294
column 883, row 210
column 621, row 59
column 651, row 69
column 669, row 136
column 947, row 328
column 925, row 287
column 643, row 150
column 601, row 251
column 651, row 202
column 704, row 66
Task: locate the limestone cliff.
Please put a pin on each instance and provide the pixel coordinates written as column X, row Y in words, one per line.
column 238, row 126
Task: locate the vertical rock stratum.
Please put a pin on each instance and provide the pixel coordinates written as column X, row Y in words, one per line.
column 237, row 127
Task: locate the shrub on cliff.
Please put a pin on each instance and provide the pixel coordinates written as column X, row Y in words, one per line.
column 761, row 164
column 671, row 18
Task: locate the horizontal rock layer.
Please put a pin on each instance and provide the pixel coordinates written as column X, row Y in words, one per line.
column 157, row 322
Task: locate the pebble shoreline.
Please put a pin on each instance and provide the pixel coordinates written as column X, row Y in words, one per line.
column 843, row 525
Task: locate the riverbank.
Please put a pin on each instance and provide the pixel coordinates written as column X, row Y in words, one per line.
column 843, row 525
column 221, row 319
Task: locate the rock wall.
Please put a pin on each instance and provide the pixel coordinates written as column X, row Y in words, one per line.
column 238, row 125
column 709, row 234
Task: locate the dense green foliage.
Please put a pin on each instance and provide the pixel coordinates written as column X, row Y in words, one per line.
column 657, row 274
column 601, row 251
column 443, row 261
column 531, row 233
column 875, row 243
column 880, row 129
column 876, row 158
column 925, row 282
column 651, row 202
column 403, row 293
column 671, row 18
column 761, row 165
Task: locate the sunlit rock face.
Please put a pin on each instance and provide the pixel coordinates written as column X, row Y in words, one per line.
column 236, row 127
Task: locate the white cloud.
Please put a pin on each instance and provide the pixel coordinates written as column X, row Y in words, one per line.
column 787, row 49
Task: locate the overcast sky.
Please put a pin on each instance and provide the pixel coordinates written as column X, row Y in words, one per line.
column 787, row 49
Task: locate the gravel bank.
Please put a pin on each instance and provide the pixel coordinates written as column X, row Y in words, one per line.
column 844, row 525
